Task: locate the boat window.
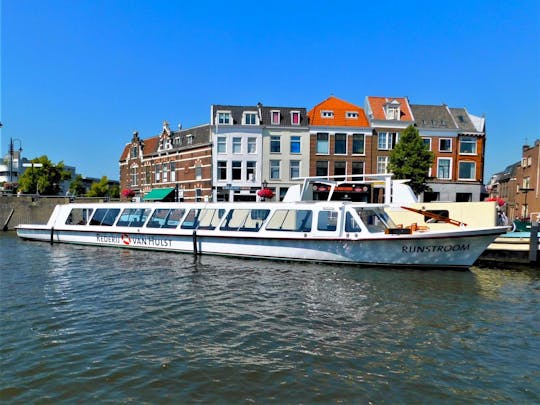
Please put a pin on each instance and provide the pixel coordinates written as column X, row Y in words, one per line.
column 350, row 224
column 79, row 216
column 166, row 218
column 134, row 217
column 290, row 220
column 203, row 218
column 375, row 220
column 105, row 216
column 244, row 220
column 327, row 221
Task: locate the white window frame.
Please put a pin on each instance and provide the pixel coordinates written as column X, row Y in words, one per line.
column 439, row 160
column 382, row 164
column 294, row 165
column 295, row 113
column 346, row 143
column 221, row 144
column 351, row 115
column 327, row 114
column 252, row 145
column 446, row 151
column 272, row 117
column 327, row 143
column 473, row 178
column 223, row 117
column 389, row 138
column 296, row 139
column 429, row 142
column 237, row 145
column 468, row 140
column 275, row 139
column 275, row 167
column 363, row 136
column 251, row 114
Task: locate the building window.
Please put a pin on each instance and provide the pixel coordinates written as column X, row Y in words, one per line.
column 295, row 169
column 340, row 169
column 357, row 168
column 173, row 171
column 467, row 171
column 252, row 145
column 157, row 172
column 250, row 118
column 321, row 168
column 388, row 140
column 358, row 144
column 275, row 169
column 382, row 164
column 198, row 172
column 134, row 151
column 198, row 195
column 221, row 144
column 340, row 144
column 222, row 170
column 322, row 143
column 224, row 118
column 237, row 145
column 467, row 146
column 427, row 142
column 276, row 117
column 295, row 144
column 352, row 115
column 392, row 112
column 275, row 144
column 250, row 170
column 295, row 117
column 148, row 175
column 445, row 145
column 327, row 114
column 463, row 197
column 443, row 168
column 189, row 139
column 236, row 170
column 165, row 172
column 134, row 176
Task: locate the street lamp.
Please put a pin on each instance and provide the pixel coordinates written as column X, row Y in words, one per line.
column 32, row 165
column 11, row 153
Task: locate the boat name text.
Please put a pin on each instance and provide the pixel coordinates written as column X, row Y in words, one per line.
column 133, row 240
column 434, row 248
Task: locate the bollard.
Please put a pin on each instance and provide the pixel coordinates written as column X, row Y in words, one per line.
column 195, row 242
column 533, row 242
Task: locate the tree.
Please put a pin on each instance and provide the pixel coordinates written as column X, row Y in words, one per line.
column 99, row 189
column 411, row 159
column 77, row 188
column 45, row 179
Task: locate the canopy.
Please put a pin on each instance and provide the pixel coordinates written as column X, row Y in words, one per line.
column 159, row 194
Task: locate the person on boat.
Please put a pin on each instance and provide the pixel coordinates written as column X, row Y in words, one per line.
column 502, row 219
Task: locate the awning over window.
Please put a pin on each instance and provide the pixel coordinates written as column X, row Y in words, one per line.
column 160, row 194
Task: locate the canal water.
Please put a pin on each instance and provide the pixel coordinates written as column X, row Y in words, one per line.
column 88, row 324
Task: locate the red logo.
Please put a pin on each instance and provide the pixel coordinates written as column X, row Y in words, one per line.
column 126, row 239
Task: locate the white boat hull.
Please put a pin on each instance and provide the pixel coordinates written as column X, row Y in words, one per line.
column 444, row 250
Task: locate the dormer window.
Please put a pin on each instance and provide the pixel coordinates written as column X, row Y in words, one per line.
column 276, row 117
column 224, row 118
column 189, row 139
column 327, row 114
column 250, row 118
column 392, row 110
column 134, row 151
column 352, row 115
column 295, row 117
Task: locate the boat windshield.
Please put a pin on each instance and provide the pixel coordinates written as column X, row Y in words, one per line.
column 376, row 220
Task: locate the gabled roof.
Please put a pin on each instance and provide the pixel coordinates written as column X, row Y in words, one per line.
column 433, row 116
column 339, row 108
column 463, row 120
column 200, row 136
column 375, row 107
column 265, row 114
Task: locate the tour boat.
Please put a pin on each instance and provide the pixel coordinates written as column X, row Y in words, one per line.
column 296, row 229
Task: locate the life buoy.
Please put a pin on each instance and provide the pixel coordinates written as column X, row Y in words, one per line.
column 126, row 239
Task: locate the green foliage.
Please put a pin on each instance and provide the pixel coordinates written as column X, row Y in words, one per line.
column 99, row 189
column 77, row 188
column 411, row 159
column 43, row 180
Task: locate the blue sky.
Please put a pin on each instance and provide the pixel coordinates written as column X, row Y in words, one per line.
column 79, row 76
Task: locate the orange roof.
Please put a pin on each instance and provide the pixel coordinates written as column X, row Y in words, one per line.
column 339, row 108
column 377, row 107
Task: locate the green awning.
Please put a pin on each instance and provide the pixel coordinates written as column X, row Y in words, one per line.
column 159, row 194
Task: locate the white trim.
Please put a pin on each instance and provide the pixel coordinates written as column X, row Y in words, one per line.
column 449, row 168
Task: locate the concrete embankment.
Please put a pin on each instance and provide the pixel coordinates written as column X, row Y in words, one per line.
column 30, row 209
